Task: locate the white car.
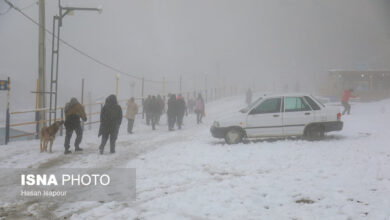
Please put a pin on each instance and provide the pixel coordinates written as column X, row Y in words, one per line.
column 278, row 116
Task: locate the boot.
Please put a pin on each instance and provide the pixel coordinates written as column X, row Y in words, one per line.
column 78, row 149
column 67, row 152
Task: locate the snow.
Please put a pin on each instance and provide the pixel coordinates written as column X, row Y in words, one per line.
column 187, row 174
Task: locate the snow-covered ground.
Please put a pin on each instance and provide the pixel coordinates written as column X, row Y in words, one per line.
column 187, row 174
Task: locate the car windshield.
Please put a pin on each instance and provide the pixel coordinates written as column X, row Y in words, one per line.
column 245, row 110
column 315, row 98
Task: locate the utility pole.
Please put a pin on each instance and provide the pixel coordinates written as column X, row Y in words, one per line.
column 205, row 86
column 41, row 65
column 180, row 84
column 163, row 86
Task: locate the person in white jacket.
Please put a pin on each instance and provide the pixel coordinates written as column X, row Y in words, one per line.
column 131, row 112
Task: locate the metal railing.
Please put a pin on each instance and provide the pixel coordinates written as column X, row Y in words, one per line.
column 89, row 114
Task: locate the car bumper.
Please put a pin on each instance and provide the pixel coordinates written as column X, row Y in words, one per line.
column 333, row 126
column 218, row 132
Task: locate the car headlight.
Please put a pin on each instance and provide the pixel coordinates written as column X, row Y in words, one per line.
column 216, row 124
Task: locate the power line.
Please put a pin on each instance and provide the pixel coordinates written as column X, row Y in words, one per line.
column 5, row 12
column 82, row 52
column 29, row 6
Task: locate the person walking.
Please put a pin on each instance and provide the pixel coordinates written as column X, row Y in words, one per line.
column 74, row 111
column 199, row 109
column 147, row 109
column 171, row 112
column 181, row 110
column 131, row 112
column 345, row 101
column 154, row 111
column 160, row 108
column 110, row 121
column 191, row 104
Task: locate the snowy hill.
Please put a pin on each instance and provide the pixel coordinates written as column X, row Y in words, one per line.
column 187, row 174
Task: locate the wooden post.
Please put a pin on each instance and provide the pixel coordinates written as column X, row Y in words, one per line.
column 90, row 110
column 163, row 86
column 117, row 81
column 7, row 120
column 62, row 118
column 82, row 91
column 37, row 113
column 142, row 97
column 180, row 84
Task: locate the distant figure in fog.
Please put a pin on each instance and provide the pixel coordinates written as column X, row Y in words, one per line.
column 345, row 101
column 249, row 96
column 110, row 121
column 154, row 111
column 199, row 109
column 191, row 104
column 172, row 111
column 73, row 112
column 131, row 112
column 161, row 105
column 181, row 110
column 147, row 109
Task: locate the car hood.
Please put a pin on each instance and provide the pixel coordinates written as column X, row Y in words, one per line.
column 231, row 119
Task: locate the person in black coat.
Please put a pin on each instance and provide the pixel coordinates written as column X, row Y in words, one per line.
column 154, row 111
column 172, row 112
column 110, row 121
column 181, row 110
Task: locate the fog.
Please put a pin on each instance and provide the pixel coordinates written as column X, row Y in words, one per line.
column 263, row 44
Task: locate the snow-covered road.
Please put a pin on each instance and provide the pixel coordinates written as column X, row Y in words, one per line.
column 187, row 174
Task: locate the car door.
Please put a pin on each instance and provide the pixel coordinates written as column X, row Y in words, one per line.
column 297, row 114
column 265, row 119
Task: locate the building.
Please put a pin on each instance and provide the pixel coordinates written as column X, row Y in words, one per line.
column 369, row 85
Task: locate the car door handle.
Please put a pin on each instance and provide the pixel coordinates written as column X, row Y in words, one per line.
column 276, row 116
column 307, row 113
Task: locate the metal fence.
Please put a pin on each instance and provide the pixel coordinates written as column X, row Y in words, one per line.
column 92, row 109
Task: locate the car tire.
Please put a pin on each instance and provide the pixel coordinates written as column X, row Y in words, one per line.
column 315, row 132
column 234, row 136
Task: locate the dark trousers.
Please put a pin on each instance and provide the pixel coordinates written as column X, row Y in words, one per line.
column 180, row 120
column 347, row 107
column 68, row 136
column 130, row 124
column 154, row 120
column 148, row 118
column 105, row 137
column 171, row 121
column 199, row 116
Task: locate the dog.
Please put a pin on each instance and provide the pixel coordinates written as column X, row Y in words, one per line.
column 49, row 134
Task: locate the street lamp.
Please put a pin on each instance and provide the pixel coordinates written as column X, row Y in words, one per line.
column 57, row 24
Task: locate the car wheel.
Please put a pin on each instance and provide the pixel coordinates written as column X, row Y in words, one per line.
column 315, row 132
column 233, row 136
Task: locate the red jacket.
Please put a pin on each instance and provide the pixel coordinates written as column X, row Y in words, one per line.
column 347, row 95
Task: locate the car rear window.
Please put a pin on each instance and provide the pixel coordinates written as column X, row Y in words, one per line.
column 312, row 103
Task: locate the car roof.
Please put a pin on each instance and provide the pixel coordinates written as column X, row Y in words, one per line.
column 271, row 95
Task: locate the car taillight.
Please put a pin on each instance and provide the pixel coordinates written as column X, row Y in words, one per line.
column 338, row 116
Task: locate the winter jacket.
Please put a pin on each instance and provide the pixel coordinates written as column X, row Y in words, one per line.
column 154, row 106
column 181, row 106
column 199, row 105
column 110, row 117
column 347, row 95
column 132, row 110
column 161, row 104
column 147, row 105
column 172, row 107
column 73, row 112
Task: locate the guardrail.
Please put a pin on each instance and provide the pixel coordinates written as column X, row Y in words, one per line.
column 37, row 120
column 89, row 114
